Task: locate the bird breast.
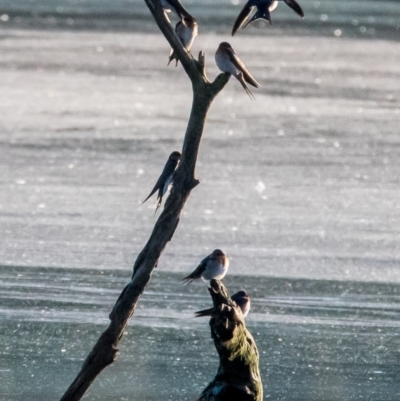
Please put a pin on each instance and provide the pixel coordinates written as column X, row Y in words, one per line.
column 214, row 270
column 224, row 63
column 187, row 35
column 168, row 182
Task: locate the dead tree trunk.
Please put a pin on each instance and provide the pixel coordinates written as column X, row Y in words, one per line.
column 105, row 350
column 238, row 376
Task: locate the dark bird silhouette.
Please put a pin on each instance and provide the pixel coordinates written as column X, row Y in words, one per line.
column 176, row 7
column 241, row 299
column 264, row 9
column 165, row 178
column 213, row 266
column 228, row 62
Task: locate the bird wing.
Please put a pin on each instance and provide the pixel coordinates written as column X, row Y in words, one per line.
column 196, row 273
column 168, row 170
column 295, row 6
column 241, row 67
column 243, row 15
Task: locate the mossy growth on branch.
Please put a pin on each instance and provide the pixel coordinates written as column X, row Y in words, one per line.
column 238, row 376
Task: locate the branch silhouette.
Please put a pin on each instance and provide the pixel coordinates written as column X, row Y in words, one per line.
column 105, row 350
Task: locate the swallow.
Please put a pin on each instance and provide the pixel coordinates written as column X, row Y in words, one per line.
column 241, row 299
column 213, row 266
column 166, row 178
column 186, row 30
column 228, row 62
column 264, row 9
column 176, row 7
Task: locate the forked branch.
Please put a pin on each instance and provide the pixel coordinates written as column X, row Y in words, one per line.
column 105, row 350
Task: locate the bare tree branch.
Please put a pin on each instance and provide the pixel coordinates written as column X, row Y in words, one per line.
column 204, row 92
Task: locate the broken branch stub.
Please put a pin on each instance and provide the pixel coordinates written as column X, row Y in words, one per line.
column 238, row 376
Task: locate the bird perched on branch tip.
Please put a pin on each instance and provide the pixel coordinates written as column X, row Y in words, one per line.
column 214, row 266
column 228, row 62
column 241, row 299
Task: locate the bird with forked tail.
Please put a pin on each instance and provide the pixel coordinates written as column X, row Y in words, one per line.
column 186, row 30
column 166, row 178
column 214, row 266
column 228, row 62
column 242, row 300
column 264, row 9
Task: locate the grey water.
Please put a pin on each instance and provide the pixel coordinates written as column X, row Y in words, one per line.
column 300, row 188
column 317, row 340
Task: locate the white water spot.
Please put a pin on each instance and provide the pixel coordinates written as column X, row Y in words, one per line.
column 20, row 182
column 4, row 18
column 260, row 187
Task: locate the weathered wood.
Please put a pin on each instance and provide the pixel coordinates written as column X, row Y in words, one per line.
column 104, row 352
column 238, row 376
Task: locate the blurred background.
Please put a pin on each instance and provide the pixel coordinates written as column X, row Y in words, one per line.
column 300, row 188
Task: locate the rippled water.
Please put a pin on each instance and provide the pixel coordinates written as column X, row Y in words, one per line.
column 318, row 340
column 300, row 189
column 366, row 18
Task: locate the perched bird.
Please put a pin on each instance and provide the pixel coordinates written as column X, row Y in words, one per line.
column 264, row 9
column 213, row 266
column 241, row 299
column 165, row 178
column 228, row 62
column 176, row 7
column 186, row 30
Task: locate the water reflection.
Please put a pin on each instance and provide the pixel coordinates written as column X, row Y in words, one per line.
column 317, row 339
